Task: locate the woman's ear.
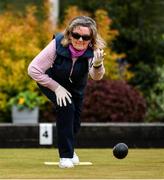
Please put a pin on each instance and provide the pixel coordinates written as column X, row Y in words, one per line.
column 90, row 44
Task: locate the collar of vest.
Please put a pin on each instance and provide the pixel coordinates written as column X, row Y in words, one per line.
column 64, row 51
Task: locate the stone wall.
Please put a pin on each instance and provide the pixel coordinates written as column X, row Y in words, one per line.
column 92, row 135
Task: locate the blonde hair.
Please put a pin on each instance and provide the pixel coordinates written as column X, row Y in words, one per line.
column 97, row 41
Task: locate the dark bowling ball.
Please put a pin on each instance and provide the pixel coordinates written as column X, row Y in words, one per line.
column 120, row 150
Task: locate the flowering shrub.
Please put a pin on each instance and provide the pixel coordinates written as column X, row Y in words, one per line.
column 27, row 99
column 113, row 101
column 22, row 38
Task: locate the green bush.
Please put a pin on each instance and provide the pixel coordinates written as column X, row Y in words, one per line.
column 155, row 99
column 27, row 99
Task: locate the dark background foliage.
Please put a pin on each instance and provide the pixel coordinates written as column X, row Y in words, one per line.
column 113, row 101
column 19, row 6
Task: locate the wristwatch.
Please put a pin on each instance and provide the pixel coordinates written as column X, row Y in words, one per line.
column 97, row 66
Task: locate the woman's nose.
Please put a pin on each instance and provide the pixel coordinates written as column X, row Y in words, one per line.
column 80, row 39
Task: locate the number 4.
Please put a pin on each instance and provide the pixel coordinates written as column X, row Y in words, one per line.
column 45, row 134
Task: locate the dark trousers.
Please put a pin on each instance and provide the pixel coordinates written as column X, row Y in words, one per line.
column 68, row 122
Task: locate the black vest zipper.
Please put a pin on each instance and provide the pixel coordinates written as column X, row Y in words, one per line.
column 73, row 64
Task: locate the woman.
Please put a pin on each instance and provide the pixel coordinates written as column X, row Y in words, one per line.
column 61, row 71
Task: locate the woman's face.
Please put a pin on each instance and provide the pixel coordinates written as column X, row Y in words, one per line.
column 80, row 37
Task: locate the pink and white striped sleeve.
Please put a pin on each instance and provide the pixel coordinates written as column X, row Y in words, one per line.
column 42, row 62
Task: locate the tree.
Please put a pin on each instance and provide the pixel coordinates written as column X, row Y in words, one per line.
column 22, row 38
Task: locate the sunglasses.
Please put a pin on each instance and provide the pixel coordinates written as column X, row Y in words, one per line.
column 78, row 36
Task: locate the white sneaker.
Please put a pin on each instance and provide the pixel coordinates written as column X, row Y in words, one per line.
column 66, row 163
column 75, row 159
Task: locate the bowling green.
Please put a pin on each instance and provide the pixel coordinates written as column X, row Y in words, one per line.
column 29, row 163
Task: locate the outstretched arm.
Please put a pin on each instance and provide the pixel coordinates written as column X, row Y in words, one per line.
column 41, row 63
column 97, row 69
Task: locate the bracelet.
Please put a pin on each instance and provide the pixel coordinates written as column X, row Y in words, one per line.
column 97, row 66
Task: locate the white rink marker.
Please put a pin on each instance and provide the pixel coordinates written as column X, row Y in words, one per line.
column 57, row 163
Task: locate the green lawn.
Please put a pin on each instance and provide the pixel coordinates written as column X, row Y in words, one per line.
column 29, row 163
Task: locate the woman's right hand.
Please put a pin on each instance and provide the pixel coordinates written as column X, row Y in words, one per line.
column 98, row 57
column 62, row 95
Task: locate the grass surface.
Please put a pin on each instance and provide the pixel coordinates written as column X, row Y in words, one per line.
column 29, row 163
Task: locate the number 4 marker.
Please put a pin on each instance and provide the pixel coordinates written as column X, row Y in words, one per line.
column 45, row 134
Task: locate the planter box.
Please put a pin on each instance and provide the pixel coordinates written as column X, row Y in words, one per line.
column 25, row 116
